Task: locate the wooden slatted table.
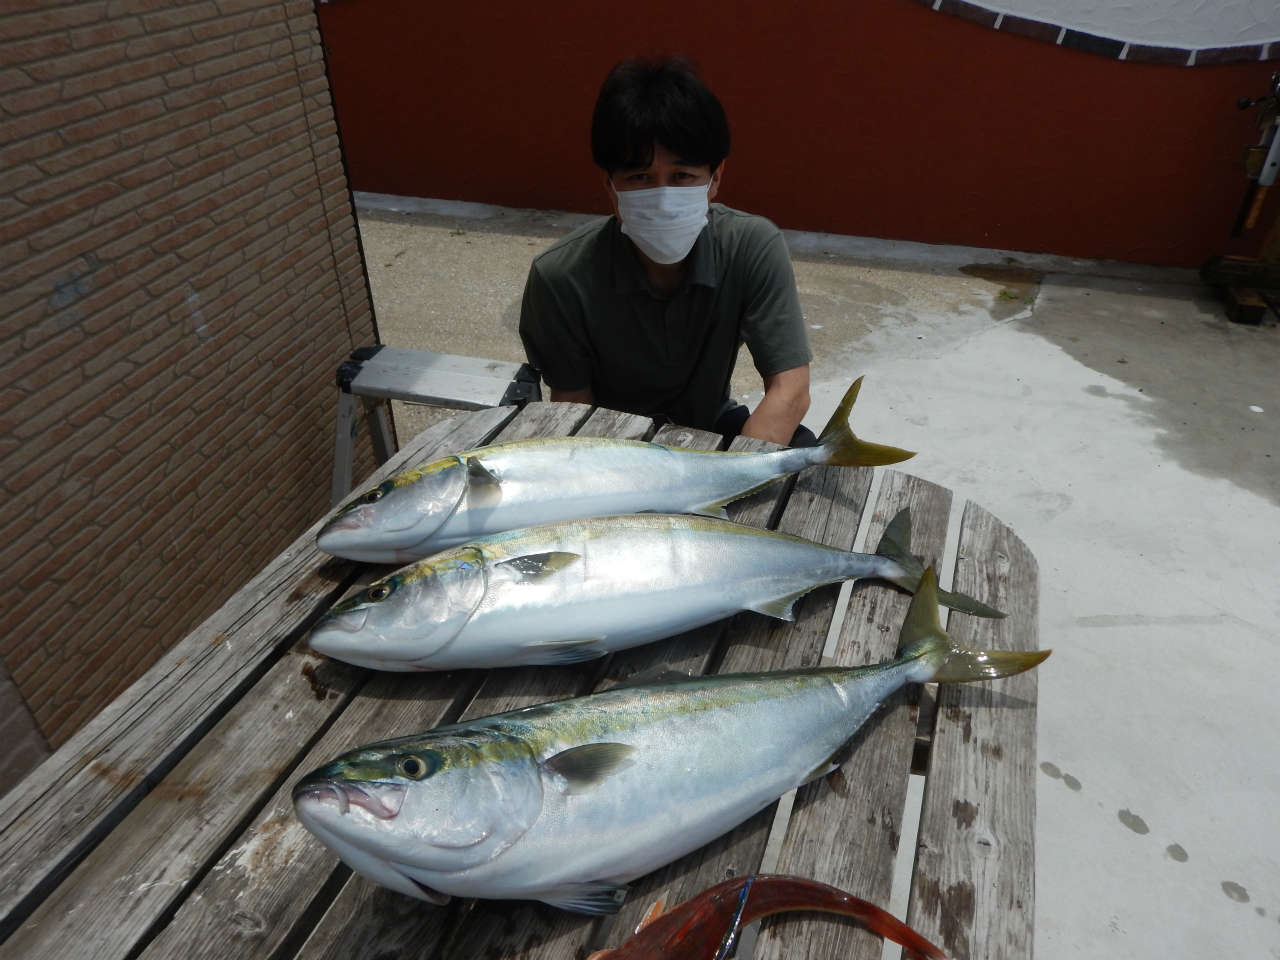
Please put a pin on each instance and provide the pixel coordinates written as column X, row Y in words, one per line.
column 164, row 828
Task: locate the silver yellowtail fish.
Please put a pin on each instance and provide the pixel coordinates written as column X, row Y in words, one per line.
column 576, row 590
column 566, row 802
column 530, row 482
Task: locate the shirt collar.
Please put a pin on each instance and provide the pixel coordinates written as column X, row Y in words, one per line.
column 628, row 272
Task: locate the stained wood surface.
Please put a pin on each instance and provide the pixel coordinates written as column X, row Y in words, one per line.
column 189, row 845
column 59, row 812
column 973, row 890
column 845, row 828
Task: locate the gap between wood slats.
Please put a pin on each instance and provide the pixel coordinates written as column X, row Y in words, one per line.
column 905, row 858
column 320, row 903
column 785, row 803
column 904, row 864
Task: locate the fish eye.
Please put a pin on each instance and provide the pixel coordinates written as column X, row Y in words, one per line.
column 412, row 767
column 378, row 492
column 379, row 591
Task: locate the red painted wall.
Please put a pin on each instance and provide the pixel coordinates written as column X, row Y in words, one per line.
column 875, row 118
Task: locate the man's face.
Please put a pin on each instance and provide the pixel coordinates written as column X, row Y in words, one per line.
column 666, row 170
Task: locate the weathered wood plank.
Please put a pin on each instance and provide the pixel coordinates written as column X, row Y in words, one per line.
column 844, row 829
column 59, row 812
column 248, row 904
column 973, row 891
column 143, row 867
column 825, row 505
column 360, row 910
column 544, row 419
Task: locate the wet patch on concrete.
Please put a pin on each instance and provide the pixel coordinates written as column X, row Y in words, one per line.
column 1019, row 286
column 1235, row 892
column 1133, row 822
column 1010, row 274
column 1052, row 770
column 1175, row 852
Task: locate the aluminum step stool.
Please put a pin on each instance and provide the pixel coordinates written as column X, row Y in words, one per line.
column 378, row 374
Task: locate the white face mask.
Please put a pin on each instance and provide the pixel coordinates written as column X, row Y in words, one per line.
column 664, row 222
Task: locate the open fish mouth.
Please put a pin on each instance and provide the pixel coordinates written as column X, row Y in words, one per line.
column 350, row 621
column 382, row 800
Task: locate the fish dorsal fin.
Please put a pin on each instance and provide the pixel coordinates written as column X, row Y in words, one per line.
column 895, row 542
column 781, row 608
column 533, row 567
column 483, row 488
column 596, row 898
column 589, row 765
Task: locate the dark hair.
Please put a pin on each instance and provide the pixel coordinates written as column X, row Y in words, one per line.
column 643, row 102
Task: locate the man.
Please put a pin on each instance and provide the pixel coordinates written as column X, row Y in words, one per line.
column 644, row 311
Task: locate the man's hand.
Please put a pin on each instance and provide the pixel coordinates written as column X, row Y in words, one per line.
column 786, row 401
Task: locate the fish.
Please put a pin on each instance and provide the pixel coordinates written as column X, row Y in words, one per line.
column 573, row 591
column 526, row 483
column 707, row 927
column 569, row 801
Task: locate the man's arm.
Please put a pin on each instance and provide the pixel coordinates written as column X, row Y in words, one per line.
column 786, row 401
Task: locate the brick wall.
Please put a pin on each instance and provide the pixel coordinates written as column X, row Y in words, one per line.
column 180, row 275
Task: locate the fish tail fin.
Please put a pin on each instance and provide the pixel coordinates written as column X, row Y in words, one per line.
column 942, row 659
column 843, row 448
column 779, row 894
column 895, row 545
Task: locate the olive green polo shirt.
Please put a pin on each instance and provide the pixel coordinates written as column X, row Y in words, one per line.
column 590, row 318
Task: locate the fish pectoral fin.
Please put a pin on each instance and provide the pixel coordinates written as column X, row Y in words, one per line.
column 654, row 675
column 533, row 567
column 434, row 897
column 577, row 650
column 589, row 765
column 483, row 488
column 781, row 608
column 595, row 898
column 832, row 763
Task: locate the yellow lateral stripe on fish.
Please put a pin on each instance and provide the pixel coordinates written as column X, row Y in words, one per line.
column 573, row 591
column 526, row 483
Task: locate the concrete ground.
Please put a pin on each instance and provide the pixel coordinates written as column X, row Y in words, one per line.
column 1129, row 433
